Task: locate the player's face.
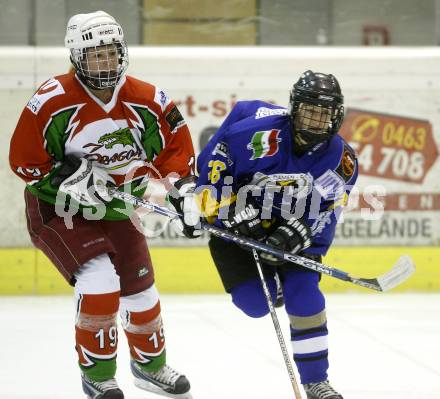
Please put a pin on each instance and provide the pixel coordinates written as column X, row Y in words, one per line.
column 313, row 118
column 102, row 60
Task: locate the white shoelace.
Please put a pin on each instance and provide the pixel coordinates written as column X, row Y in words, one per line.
column 322, row 388
column 166, row 375
column 105, row 385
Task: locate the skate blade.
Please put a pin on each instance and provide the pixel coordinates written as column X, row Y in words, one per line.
column 150, row 387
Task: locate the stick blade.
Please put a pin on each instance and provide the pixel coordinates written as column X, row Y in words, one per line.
column 401, row 271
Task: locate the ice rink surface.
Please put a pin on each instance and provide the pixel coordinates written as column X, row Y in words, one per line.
column 382, row 346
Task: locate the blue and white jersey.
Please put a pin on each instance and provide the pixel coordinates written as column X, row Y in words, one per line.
column 254, row 149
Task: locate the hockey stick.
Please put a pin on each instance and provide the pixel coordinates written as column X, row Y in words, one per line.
column 400, row 271
column 276, row 324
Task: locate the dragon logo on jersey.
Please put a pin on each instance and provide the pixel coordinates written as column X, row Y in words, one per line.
column 264, row 144
column 121, row 136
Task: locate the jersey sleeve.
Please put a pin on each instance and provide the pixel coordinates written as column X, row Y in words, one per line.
column 216, row 183
column 27, row 156
column 37, row 144
column 333, row 196
column 29, row 159
column 177, row 153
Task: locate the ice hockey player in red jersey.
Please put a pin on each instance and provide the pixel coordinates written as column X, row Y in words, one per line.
column 79, row 131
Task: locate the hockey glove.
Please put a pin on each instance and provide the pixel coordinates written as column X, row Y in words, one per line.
column 183, row 200
column 83, row 181
column 292, row 236
column 245, row 221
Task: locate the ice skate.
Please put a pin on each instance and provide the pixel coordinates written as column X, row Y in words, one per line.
column 321, row 390
column 166, row 381
column 101, row 389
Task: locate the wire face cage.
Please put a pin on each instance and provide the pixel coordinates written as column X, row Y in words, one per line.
column 101, row 67
column 314, row 118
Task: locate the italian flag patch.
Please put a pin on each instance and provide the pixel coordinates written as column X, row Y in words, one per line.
column 264, row 144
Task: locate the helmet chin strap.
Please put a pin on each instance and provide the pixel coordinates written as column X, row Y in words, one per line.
column 303, row 144
column 304, row 140
column 96, row 80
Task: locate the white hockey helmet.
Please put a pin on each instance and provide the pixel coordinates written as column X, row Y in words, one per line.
column 95, row 30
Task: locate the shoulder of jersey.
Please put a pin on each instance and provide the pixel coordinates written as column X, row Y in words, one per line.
column 340, row 157
column 139, row 88
column 254, row 116
column 139, row 91
column 53, row 93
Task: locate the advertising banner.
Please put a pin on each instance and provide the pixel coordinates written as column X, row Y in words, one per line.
column 392, row 98
column 389, row 206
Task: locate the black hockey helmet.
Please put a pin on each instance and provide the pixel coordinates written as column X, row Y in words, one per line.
column 316, row 109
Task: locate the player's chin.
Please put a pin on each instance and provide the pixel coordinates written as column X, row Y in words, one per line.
column 316, row 130
column 104, row 75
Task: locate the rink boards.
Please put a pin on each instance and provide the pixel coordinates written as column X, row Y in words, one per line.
column 191, row 270
column 392, row 98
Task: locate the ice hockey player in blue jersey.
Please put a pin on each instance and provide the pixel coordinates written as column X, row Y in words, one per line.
column 281, row 176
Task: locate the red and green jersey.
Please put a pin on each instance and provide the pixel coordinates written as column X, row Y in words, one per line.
column 139, row 133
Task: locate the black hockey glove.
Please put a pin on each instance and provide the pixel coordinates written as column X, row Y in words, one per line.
column 292, row 236
column 84, row 181
column 183, row 199
column 245, row 221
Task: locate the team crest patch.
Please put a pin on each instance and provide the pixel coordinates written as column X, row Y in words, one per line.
column 174, row 119
column 264, row 144
column 346, row 166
